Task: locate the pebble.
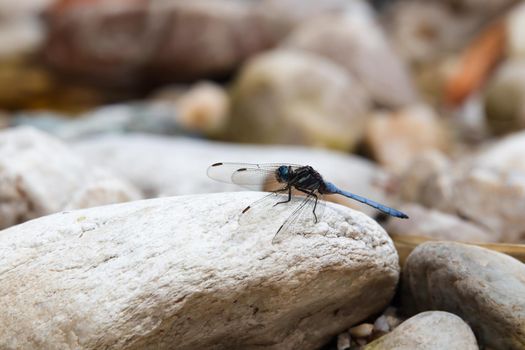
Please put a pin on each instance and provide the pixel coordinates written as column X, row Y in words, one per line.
column 433, row 330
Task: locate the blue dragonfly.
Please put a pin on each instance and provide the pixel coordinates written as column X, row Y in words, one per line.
column 283, row 179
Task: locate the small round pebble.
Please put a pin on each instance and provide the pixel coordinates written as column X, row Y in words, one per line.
column 362, row 331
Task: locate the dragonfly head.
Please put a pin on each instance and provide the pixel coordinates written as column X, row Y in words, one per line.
column 283, row 173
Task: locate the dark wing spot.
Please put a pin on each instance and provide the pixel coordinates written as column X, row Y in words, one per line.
column 246, row 209
column 216, row 164
column 242, row 169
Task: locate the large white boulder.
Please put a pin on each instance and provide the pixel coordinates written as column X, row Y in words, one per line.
column 180, row 273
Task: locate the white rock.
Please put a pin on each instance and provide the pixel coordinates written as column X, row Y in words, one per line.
column 39, row 176
column 491, row 197
column 173, row 166
column 355, row 41
column 508, row 154
column 432, row 330
column 343, row 341
column 436, row 224
column 381, row 324
column 180, row 272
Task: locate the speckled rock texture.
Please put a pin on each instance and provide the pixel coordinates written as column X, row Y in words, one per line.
column 180, row 273
column 431, row 330
column 39, row 175
column 163, row 166
column 483, row 287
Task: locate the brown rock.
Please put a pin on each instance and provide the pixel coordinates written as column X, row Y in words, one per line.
column 129, row 41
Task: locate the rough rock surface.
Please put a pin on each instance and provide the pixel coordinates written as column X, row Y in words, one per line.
column 181, row 273
column 355, row 41
column 162, row 166
column 483, row 287
column 432, row 330
column 435, row 224
column 39, row 175
column 297, row 97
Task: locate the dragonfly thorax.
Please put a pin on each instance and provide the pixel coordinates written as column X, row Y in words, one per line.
column 284, row 173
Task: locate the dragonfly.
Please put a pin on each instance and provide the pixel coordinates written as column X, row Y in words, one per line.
column 281, row 180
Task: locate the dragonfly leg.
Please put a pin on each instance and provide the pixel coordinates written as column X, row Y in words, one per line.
column 312, row 193
column 289, row 197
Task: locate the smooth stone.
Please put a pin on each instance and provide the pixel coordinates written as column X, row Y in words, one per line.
column 515, row 24
column 467, row 189
column 432, row 330
column 201, row 109
column 504, row 95
column 394, row 139
column 506, row 154
column 355, row 40
column 422, row 32
column 162, row 166
column 344, row 341
column 181, row 272
column 290, row 96
column 39, row 175
column 485, row 288
column 436, row 224
column 361, row 331
column 132, row 42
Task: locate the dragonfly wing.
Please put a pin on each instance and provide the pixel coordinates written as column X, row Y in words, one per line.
column 251, row 176
column 309, row 210
column 263, row 208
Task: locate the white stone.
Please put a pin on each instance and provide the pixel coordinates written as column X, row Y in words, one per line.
column 438, row 225
column 39, row 175
column 508, row 154
column 164, row 166
column 432, row 330
column 181, row 273
column 354, row 40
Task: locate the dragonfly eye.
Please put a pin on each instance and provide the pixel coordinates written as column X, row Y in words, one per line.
column 283, row 173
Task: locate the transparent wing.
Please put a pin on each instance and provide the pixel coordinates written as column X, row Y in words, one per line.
column 309, row 211
column 294, row 215
column 252, row 176
column 265, row 208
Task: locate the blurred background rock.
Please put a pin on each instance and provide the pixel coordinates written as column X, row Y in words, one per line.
column 429, row 93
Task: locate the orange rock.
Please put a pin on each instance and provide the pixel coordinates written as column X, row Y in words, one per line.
column 475, row 64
